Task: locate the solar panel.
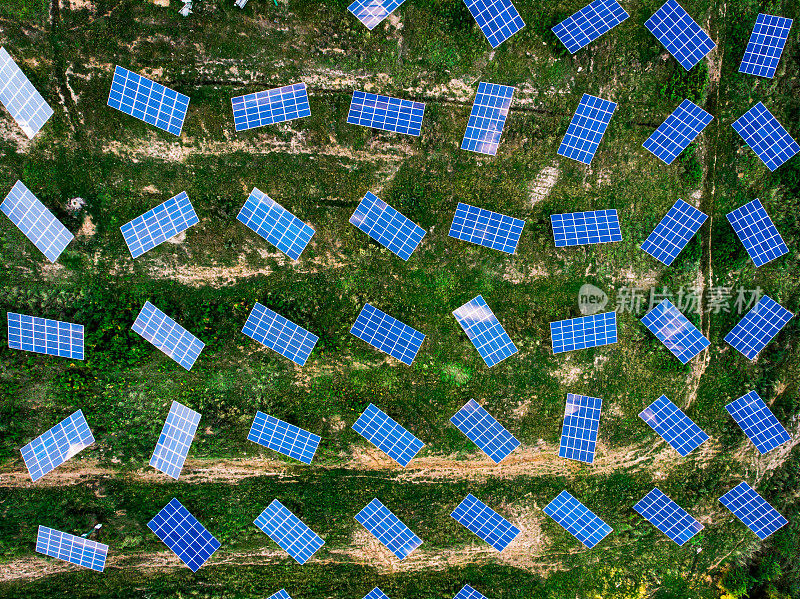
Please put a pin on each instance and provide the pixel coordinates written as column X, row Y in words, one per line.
column 279, row 334
column 184, row 535
column 23, row 102
column 376, row 593
column 481, row 428
column 667, row 516
column 45, row 336
column 168, row 336
column 36, row 221
column 372, row 12
column 387, row 226
column 283, row 437
column 577, row 519
column 148, row 101
column 270, row 106
column 467, row 592
column 758, row 422
column 584, row 331
column 485, row 331
column 589, row 23
column 56, row 445
column 388, row 529
column 675, row 427
column 766, row 136
column 486, row 228
column 675, row 331
column 680, row 34
column 674, row 231
column 70, row 548
column 155, row 226
column 584, row 228
column 758, row 234
column 383, row 112
column 753, row 510
column 763, row 322
column 282, row 594
column 175, row 440
column 579, row 432
column 387, row 334
column 274, row 223
column 479, row 518
column 765, row 46
column 586, row 128
column 288, row 531
column 487, row 119
column 680, row 129
column 387, row 435
column 498, row 19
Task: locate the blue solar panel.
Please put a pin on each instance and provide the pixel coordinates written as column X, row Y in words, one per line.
column 675, row 331
column 388, row 529
column 283, row 437
column 168, row 336
column 579, row 433
column 279, row 334
column 667, row 516
column 20, row 98
column 288, row 531
column 485, row 331
column 372, row 12
column 376, row 593
column 586, row 128
column 148, row 101
column 498, row 19
column 481, row 428
column 184, row 535
column 487, row 119
column 282, row 594
column 270, row 106
column 467, row 592
column 680, row 34
column 675, row 427
column 175, row 440
column 486, row 228
column 766, row 136
column 274, row 223
column 387, row 334
column 387, row 435
column 577, row 519
column 479, row 518
column 758, row 422
column 45, row 336
column 387, row 226
column 583, row 332
column 383, row 112
column 70, row 548
column 589, row 23
column 753, row 510
column 56, row 445
column 765, row 46
column 155, row 226
column 36, row 221
column 757, row 233
column 584, row 228
column 674, row 231
column 758, row 327
column 680, row 129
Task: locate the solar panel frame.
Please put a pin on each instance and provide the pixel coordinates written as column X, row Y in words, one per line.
column 586, row 129
column 387, row 334
column 673, row 232
column 589, row 23
column 376, row 593
column 45, row 336
column 148, row 101
column 485, row 331
column 22, row 100
column 497, row 19
column 175, row 440
column 484, row 227
column 71, row 548
column 753, row 510
column 387, row 226
column 158, row 224
column 762, row 132
column 675, row 134
column 168, row 336
column 583, row 332
column 757, row 232
column 372, row 12
column 270, row 106
column 285, row 438
column 384, row 112
column 288, row 531
column 479, row 518
column 680, row 34
column 577, row 519
column 279, row 334
column 674, row 426
column 184, row 535
column 758, row 327
column 480, row 427
column 388, row 529
column 667, row 516
column 487, row 118
column 765, row 46
column 585, row 228
column 758, row 422
column 579, row 431
column 467, row 592
column 675, row 331
column 385, row 433
column 56, row 445
column 272, row 222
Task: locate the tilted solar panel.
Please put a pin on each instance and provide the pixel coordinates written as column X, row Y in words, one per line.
column 372, row 12
column 498, row 19
column 766, row 136
column 758, row 234
column 45, row 336
column 148, row 101
column 758, row 422
column 175, row 440
column 384, row 112
column 70, row 548
column 680, row 129
column 667, row 516
column 288, row 531
column 386, row 434
column 387, row 226
column 674, row 231
column 675, row 427
column 487, row 119
column 586, row 128
column 376, row 593
column 485, row 331
column 168, row 336
column 37, row 223
column 282, row 594
column 279, row 334
column 680, row 34
column 388, row 529
column 283, row 437
column 56, row 445
column 184, row 535
column 479, row 518
column 481, row 428
column 486, row 228
column 763, row 322
column 387, row 334
column 583, row 332
column 753, row 510
column 765, row 46
column 467, row 592
column 583, row 228
column 579, row 432
column 274, row 223
column 675, row 331
column 155, row 226
column 270, row 106
column 589, row 23
column 23, row 102
column 577, row 519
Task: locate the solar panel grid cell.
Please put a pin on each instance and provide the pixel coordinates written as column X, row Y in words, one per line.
column 479, row 518
column 387, row 334
column 288, row 531
column 487, row 119
column 184, row 535
column 586, row 128
column 387, row 226
column 675, row 331
column 589, row 23
column 582, row 332
column 372, row 12
column 283, row 437
column 583, row 228
column 758, row 234
column 274, row 223
column 680, row 129
column 766, row 136
column 45, row 336
column 270, row 106
column 279, row 334
column 23, row 102
column 758, row 327
column 386, row 434
column 155, row 226
column 388, row 529
column 383, row 112
column 482, row 429
column 175, row 440
column 766, row 45
column 484, row 227
column 498, row 19
column 577, row 519
column 467, row 592
column 168, row 336
column 667, row 516
column 758, row 422
column 674, row 231
column 70, row 548
column 680, row 34
column 579, row 432
column 148, row 101
column 675, row 427
column 753, row 510
column 485, row 331
column 56, row 445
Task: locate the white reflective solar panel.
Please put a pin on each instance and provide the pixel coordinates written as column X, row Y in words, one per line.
column 479, row 518
column 498, row 19
column 148, row 101
column 387, row 226
column 577, row 519
column 388, row 529
column 56, row 445
column 584, row 228
column 487, row 119
column 758, row 327
column 486, row 228
column 758, row 234
column 274, row 223
column 467, row 592
column 667, row 516
column 485, row 331
column 168, row 336
column 270, row 106
column 386, row 434
column 157, row 225
column 70, row 548
column 175, row 440
column 20, row 98
column 674, row 231
column 586, row 128
column 481, row 428
column 387, row 334
column 758, row 422
column 579, row 432
column 376, row 593
column 765, row 46
column 680, row 34
column 384, row 112
column 766, row 136
column 45, row 336
column 283, row 437
column 753, row 510
column 675, row 331
column 675, row 427
column 184, row 535
column 372, row 12
column 589, row 23
column 680, row 129
column 288, row 531
column 583, row 332
column 279, row 334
